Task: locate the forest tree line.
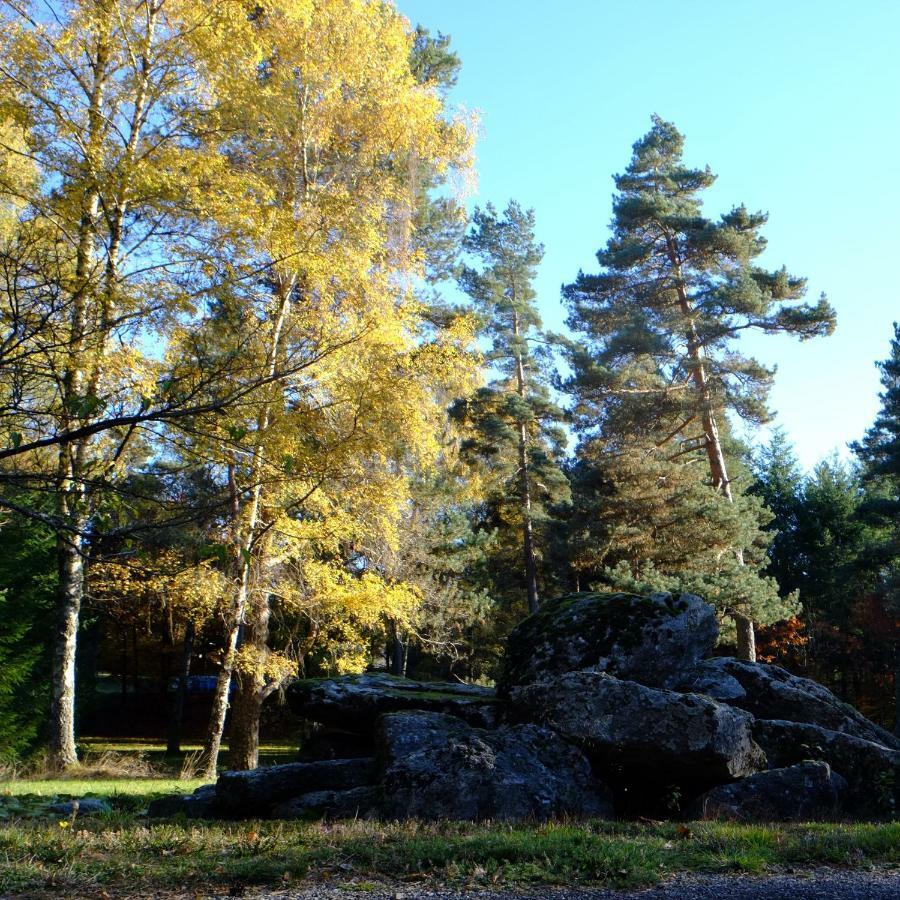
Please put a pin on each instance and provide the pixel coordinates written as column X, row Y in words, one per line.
column 272, row 405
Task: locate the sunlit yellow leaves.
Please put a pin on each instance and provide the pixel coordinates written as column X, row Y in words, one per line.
column 162, row 581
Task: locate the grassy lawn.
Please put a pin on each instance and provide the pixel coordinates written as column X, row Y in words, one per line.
column 137, row 788
column 122, row 851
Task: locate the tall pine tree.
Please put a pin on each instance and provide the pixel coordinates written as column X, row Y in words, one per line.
column 516, row 425
column 675, row 291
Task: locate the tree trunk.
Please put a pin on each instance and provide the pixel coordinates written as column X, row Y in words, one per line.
column 525, row 489
column 527, row 528
column 243, row 738
column 62, row 703
column 396, row 651
column 746, row 638
column 245, row 544
column 69, row 487
column 177, row 716
column 250, row 688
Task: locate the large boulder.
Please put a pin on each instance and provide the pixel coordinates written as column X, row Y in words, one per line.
column 770, row 692
column 437, row 767
column 656, row 734
column 242, row 795
column 646, row 639
column 872, row 771
column 354, row 702
column 800, row 793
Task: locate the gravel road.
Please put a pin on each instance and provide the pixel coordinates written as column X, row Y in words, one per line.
column 817, row 885
column 821, row 884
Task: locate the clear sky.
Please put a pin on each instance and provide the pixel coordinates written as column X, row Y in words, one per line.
column 795, row 104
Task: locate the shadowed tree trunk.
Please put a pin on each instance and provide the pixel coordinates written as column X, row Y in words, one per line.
column 525, row 489
column 177, row 717
column 746, row 637
column 245, row 543
column 251, row 687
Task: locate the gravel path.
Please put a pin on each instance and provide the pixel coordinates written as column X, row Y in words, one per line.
column 818, row 885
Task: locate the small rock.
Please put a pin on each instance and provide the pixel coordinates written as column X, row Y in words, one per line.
column 360, row 802
column 800, row 793
column 87, row 806
column 256, row 793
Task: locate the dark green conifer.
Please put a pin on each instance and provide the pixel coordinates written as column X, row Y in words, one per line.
column 880, row 454
column 516, row 426
column 778, row 480
column 661, row 319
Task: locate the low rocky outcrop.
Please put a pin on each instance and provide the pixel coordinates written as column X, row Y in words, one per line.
column 872, row 770
column 800, row 793
column 607, row 705
column 770, row 692
column 257, row 793
column 646, row 639
column 353, row 803
column 354, row 702
column 435, row 766
column 671, row 737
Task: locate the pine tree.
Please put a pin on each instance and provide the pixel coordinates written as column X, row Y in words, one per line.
column 675, row 291
column 880, row 453
column 27, row 586
column 778, row 480
column 516, row 425
column 643, row 520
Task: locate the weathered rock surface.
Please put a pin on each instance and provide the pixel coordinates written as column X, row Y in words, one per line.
column 438, row 767
column 201, row 804
column 872, row 771
column 257, row 793
column 674, row 737
column 645, row 639
column 606, row 704
column 770, row 692
column 355, row 803
column 354, row 702
column 800, row 793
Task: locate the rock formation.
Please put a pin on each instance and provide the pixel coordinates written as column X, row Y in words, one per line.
column 608, row 705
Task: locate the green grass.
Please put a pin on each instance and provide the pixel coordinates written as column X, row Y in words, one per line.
column 121, row 851
column 78, row 787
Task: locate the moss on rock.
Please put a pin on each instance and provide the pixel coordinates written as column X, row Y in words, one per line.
column 648, row 639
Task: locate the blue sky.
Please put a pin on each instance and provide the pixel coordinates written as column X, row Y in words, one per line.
column 794, row 104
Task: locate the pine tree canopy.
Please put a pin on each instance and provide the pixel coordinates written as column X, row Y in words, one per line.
column 879, row 452
column 675, row 286
column 518, row 352
column 515, row 426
